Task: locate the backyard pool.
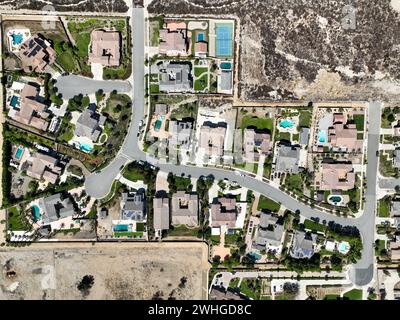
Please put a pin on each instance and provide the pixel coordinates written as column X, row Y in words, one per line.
column 286, row 123
column 335, row 199
column 344, row 247
column 16, row 39
column 19, row 152
column 254, row 256
column 85, row 147
column 226, row 65
column 35, row 213
column 157, row 125
column 200, row 36
column 322, row 136
column 14, row 102
column 121, row 228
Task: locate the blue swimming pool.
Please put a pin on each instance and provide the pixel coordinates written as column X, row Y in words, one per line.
column 17, row 38
column 121, row 228
column 224, row 39
column 85, row 147
column 322, row 137
column 286, row 123
column 226, row 65
column 335, row 199
column 254, row 256
column 14, row 102
column 344, row 247
column 19, row 152
column 200, row 36
column 35, row 213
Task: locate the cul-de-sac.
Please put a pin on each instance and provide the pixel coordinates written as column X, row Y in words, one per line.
column 200, row 149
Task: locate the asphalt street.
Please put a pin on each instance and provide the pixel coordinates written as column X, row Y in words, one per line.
column 72, row 85
column 98, row 185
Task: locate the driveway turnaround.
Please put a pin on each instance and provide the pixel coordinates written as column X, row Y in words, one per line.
column 99, row 184
column 72, row 85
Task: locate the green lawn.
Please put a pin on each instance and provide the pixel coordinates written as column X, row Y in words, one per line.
column 384, row 207
column 234, row 283
column 16, row 221
column 82, row 44
column 386, row 166
column 359, row 121
column 128, row 234
column 354, row 294
column 331, row 297
column 67, row 61
column 311, row 225
column 201, row 83
column 249, row 289
column 132, row 174
column 215, row 240
column 259, row 123
column 199, row 71
column 305, row 118
column 294, row 182
column 283, row 136
column 231, row 239
column 154, row 88
column 183, row 231
column 268, row 204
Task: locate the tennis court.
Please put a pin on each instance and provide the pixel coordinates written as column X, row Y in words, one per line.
column 224, row 39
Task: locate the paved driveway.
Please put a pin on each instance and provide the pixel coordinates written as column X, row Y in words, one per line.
column 72, row 85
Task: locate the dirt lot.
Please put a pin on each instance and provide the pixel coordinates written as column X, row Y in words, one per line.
column 292, row 49
column 120, row 271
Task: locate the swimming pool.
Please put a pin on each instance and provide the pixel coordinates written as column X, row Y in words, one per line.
column 85, row 147
column 226, row 65
column 17, row 38
column 254, row 256
column 121, row 228
column 344, row 247
column 19, row 152
column 335, row 199
column 157, row 125
column 35, row 213
column 322, row 136
column 224, row 39
column 200, row 36
column 14, row 101
column 286, row 123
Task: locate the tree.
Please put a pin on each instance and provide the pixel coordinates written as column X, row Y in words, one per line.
column 86, row 284
column 391, row 117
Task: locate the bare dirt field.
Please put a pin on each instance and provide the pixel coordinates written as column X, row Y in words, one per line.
column 291, row 49
column 120, row 271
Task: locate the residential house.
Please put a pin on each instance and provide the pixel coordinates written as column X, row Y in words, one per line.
column 219, row 293
column 42, row 166
column 181, row 133
column 335, row 176
column 303, row 245
column 89, row 125
column 253, row 141
column 397, row 129
column 161, row 213
column 396, row 158
column 395, row 208
column 56, row 207
column 31, row 110
column 224, row 213
column 105, row 48
column 212, row 138
column 176, row 77
column 36, row 54
column 343, row 136
column 173, row 40
column 269, row 233
column 287, row 159
column 184, row 208
column 133, row 206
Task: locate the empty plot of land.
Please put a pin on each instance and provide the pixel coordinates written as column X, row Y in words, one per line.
column 120, row 271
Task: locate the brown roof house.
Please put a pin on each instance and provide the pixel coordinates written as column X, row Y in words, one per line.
column 212, row 137
column 253, row 141
column 31, row 110
column 161, row 213
column 173, row 40
column 42, row 166
column 335, row 176
column 224, row 213
column 343, row 136
column 200, row 49
column 184, row 208
column 105, row 48
column 36, row 54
